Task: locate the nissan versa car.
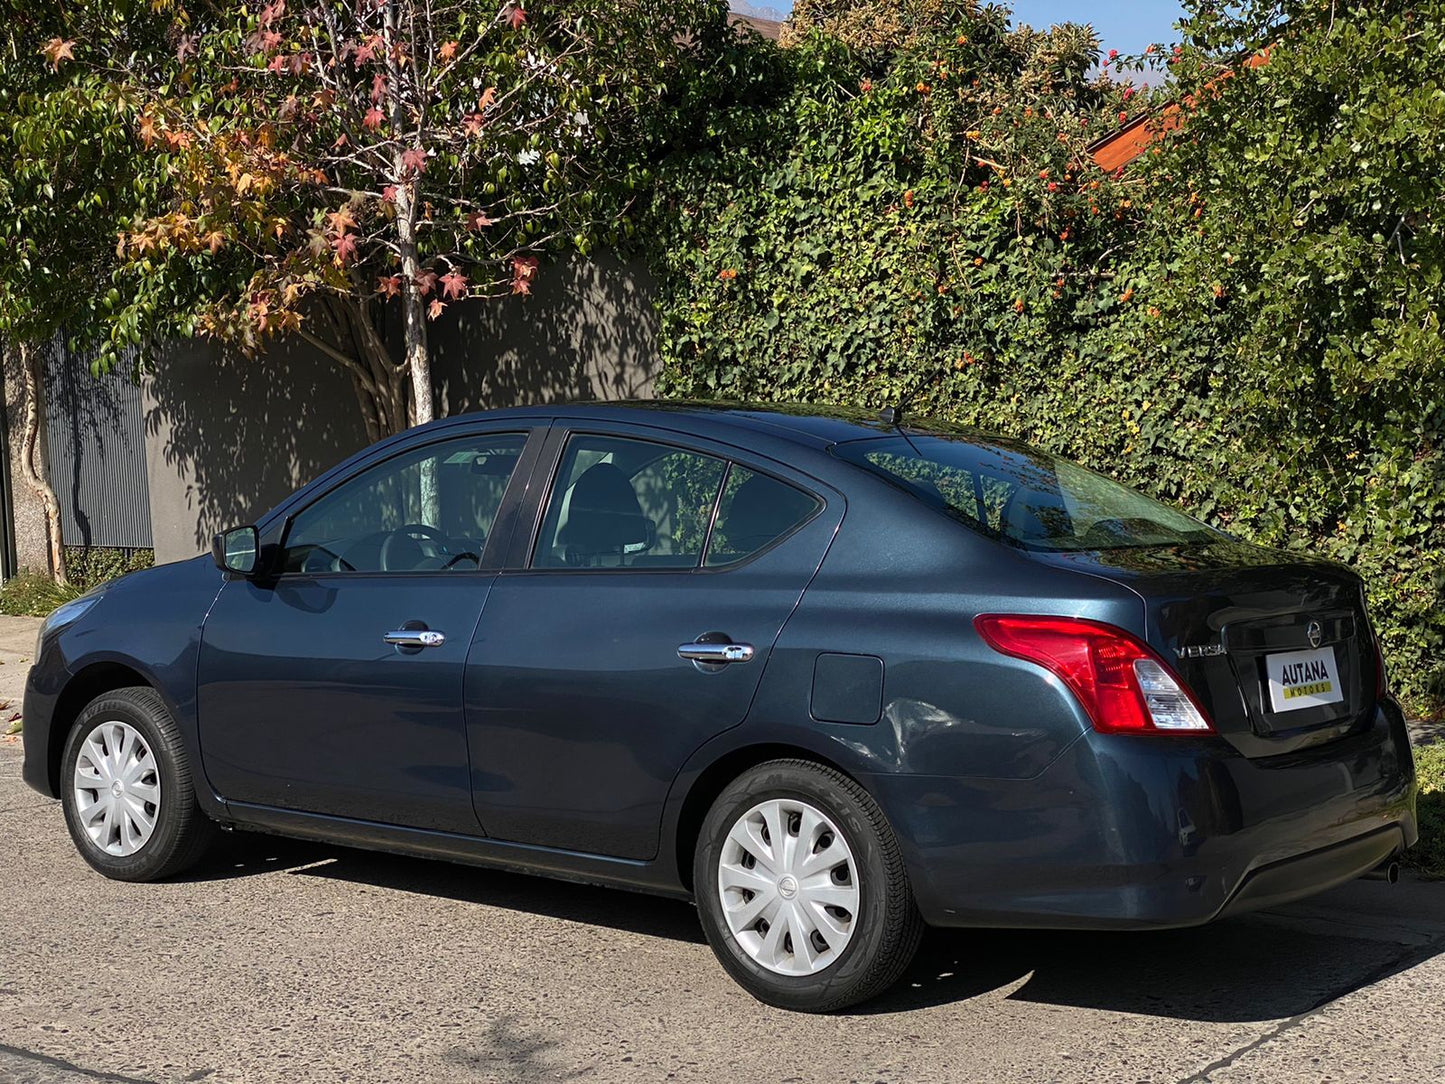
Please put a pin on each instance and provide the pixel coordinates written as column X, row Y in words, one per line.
column 832, row 676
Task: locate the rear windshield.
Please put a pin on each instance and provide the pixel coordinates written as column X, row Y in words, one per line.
column 1028, row 498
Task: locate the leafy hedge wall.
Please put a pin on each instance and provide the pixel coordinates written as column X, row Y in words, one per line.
column 1244, row 323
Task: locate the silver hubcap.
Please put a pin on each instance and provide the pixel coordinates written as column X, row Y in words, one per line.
column 117, row 788
column 789, row 887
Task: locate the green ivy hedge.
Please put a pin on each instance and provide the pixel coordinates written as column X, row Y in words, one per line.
column 1244, row 322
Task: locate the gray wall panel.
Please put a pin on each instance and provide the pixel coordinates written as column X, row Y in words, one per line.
column 95, row 437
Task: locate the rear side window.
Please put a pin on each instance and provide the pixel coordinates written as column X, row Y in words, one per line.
column 1022, row 496
column 622, row 503
column 755, row 512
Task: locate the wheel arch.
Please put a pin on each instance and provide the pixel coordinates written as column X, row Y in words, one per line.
column 721, row 771
column 91, row 681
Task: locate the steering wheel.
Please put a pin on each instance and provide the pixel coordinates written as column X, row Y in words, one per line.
column 409, row 532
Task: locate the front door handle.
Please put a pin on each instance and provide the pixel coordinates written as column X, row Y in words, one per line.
column 716, row 653
column 416, row 638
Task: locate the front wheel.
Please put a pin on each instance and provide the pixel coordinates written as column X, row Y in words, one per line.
column 126, row 788
column 802, row 890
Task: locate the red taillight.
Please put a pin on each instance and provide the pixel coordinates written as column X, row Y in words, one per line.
column 1124, row 686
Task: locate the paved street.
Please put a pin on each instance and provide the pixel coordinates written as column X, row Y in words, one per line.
column 293, row 962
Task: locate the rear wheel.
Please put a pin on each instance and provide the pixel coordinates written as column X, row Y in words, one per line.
column 126, row 788
column 802, row 890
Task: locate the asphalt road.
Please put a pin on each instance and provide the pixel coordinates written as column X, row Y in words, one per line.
column 283, row 961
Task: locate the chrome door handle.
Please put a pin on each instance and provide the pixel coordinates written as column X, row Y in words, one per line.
column 716, row 653
column 416, row 638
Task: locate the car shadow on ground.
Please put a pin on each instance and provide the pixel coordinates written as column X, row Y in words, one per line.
column 1253, row 968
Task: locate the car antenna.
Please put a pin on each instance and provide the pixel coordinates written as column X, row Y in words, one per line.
column 891, row 415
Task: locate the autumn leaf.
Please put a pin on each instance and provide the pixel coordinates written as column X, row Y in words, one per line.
column 378, row 87
column 213, row 241
column 473, row 123
column 271, row 12
column 524, row 271
column 185, row 46
column 366, row 51
column 374, row 119
column 454, row 284
column 425, row 280
column 341, row 220
column 413, row 160
column 389, row 285
column 516, row 16
column 447, row 52
column 388, row 194
column 476, row 221
column 56, row 50
column 435, row 308
column 146, row 129
column 489, row 96
column 345, row 247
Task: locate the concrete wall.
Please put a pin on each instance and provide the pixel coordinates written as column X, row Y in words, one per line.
column 227, row 437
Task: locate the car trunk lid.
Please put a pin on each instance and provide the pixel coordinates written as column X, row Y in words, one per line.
column 1277, row 647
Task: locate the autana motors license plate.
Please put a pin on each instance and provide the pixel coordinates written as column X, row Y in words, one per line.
column 1303, row 679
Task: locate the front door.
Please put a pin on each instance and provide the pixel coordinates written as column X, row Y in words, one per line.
column 334, row 685
column 581, row 708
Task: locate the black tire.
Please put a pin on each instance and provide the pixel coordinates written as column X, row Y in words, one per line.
column 182, row 831
column 887, row 927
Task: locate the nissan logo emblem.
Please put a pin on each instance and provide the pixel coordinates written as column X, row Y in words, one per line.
column 1315, row 633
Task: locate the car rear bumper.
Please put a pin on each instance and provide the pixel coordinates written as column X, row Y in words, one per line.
column 1153, row 831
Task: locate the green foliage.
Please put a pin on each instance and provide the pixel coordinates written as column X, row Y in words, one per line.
column 73, row 172
column 1428, row 856
column 1244, row 323
column 32, row 595
column 90, row 566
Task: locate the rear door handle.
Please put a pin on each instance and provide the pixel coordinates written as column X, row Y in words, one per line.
column 416, row 638
column 716, row 653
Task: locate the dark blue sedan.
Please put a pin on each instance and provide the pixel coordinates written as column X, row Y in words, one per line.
column 832, row 676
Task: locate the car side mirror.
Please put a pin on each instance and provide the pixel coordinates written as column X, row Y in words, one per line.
column 236, row 550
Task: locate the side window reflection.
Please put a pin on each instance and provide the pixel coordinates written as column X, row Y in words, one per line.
column 426, row 510
column 620, row 503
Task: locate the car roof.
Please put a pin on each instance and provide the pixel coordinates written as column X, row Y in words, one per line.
column 808, row 424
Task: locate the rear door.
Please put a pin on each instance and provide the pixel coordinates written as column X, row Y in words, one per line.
column 634, row 628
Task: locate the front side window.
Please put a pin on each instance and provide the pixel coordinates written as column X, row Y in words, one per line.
column 1025, row 497
column 426, row 510
column 621, row 503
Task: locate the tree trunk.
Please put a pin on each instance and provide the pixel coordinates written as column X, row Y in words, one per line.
column 413, row 311
column 33, row 462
